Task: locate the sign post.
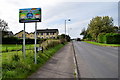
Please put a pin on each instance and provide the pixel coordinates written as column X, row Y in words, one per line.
column 28, row 15
column 24, row 52
column 35, row 41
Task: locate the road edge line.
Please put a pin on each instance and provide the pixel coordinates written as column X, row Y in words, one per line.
column 77, row 76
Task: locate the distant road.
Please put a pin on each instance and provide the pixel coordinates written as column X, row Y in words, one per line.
column 96, row 61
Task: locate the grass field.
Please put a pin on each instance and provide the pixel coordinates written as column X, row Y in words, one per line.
column 103, row 44
column 15, row 66
column 10, row 47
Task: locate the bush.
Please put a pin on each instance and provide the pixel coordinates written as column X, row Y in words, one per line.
column 15, row 57
column 62, row 41
column 10, row 74
column 112, row 38
column 50, row 43
column 109, row 38
column 101, row 37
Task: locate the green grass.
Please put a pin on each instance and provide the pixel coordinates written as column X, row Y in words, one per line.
column 22, row 68
column 103, row 44
column 9, row 47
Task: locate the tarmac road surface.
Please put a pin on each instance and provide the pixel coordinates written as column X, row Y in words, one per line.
column 96, row 61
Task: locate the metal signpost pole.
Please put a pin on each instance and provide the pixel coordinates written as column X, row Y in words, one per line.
column 24, row 42
column 35, row 41
column 26, row 16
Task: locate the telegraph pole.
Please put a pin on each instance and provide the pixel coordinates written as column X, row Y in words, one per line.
column 65, row 29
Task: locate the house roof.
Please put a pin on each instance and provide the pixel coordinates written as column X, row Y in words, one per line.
column 47, row 30
column 21, row 31
column 41, row 31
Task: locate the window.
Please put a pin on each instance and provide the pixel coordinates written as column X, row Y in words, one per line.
column 41, row 33
column 47, row 33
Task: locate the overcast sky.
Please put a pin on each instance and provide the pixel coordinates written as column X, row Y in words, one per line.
column 55, row 12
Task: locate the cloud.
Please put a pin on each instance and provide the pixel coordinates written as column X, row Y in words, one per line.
column 55, row 12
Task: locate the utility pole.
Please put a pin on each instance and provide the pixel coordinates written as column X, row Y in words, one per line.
column 65, row 29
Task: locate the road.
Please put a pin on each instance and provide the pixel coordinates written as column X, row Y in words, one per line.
column 96, row 61
column 61, row 65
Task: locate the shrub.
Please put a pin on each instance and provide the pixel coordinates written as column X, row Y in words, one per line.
column 50, row 43
column 109, row 38
column 15, row 57
column 101, row 37
column 9, row 74
column 62, row 41
column 112, row 38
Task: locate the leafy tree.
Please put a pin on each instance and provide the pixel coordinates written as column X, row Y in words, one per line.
column 116, row 28
column 3, row 25
column 62, row 36
column 100, row 25
column 85, row 34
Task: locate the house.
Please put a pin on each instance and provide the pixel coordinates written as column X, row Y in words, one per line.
column 20, row 34
column 41, row 34
column 30, row 35
column 47, row 33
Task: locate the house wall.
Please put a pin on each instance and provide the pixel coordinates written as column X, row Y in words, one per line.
column 47, row 35
column 31, row 35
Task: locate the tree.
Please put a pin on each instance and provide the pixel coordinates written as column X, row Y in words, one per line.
column 83, row 32
column 116, row 28
column 3, row 25
column 100, row 25
column 62, row 36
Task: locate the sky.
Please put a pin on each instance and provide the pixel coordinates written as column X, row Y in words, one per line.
column 55, row 12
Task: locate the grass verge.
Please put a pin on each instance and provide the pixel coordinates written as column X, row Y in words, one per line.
column 102, row 44
column 21, row 68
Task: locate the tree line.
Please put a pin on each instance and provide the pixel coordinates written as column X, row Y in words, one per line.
column 99, row 25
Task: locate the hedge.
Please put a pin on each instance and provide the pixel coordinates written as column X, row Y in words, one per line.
column 14, row 40
column 112, row 38
column 109, row 38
